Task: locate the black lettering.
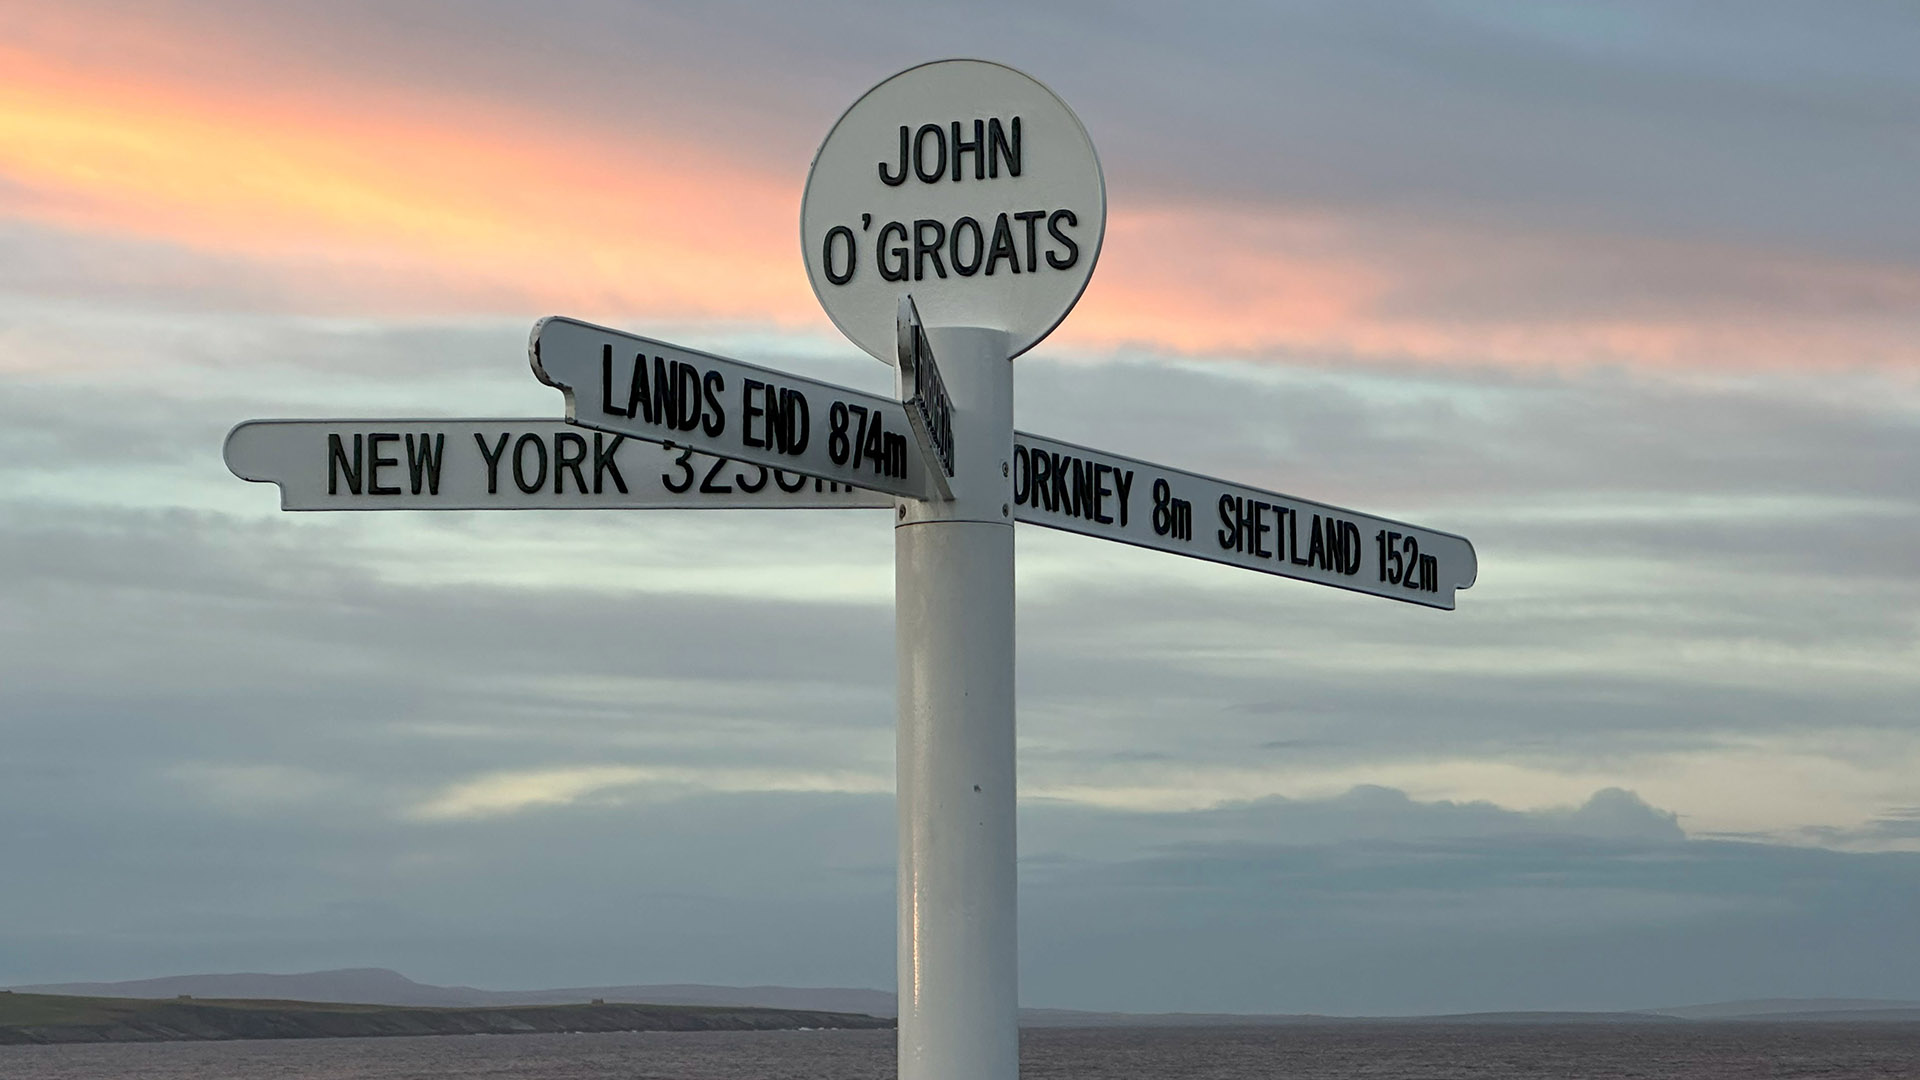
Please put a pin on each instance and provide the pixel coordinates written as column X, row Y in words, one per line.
column 1023, row 476
column 1002, row 246
column 1062, row 475
column 686, row 384
column 1246, row 516
column 606, row 384
column 562, row 461
column 716, row 420
column 603, row 462
column 1336, row 545
column 1123, row 483
column 939, row 170
column 839, row 447
column 708, row 487
column 1227, row 510
column 1260, row 530
column 520, row 459
column 797, row 422
column 493, row 459
column 1073, row 249
column 1317, row 548
column 741, row 480
column 423, row 461
column 1350, row 543
column 826, row 255
column 1042, row 488
column 1032, row 218
column 1100, row 492
column 685, row 464
column 900, row 177
column 639, row 397
column 922, row 247
column 375, row 462
column 967, row 269
column 750, row 410
column 901, row 262
column 337, row 464
column 779, row 419
column 997, row 138
column 666, row 393
column 780, row 477
column 1293, row 539
column 1082, row 488
column 961, row 147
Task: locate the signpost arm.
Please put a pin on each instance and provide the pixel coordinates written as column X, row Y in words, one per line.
column 953, row 612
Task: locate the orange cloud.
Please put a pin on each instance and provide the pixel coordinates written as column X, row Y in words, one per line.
column 551, row 217
column 428, row 207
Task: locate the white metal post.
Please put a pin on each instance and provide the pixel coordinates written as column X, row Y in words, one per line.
column 953, row 612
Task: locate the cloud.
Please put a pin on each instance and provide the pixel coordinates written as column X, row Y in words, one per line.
column 1898, row 829
column 1069, row 832
column 514, row 791
column 254, row 788
column 387, row 180
column 505, row 792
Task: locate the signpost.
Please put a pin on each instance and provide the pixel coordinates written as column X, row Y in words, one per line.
column 1094, row 493
column 630, row 385
column 506, row 465
column 966, row 193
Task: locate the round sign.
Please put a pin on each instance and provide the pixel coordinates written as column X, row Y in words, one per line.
column 962, row 183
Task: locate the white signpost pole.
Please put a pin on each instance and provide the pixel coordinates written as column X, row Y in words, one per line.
column 953, row 620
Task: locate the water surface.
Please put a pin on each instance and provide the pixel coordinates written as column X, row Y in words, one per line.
column 1744, row 1051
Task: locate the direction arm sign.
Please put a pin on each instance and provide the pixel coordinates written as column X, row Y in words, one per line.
column 505, row 464
column 924, row 392
column 630, row 385
column 1063, row 486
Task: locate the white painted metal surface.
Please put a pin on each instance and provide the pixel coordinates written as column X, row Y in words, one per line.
column 964, row 182
column 1095, row 493
column 953, row 613
column 631, row 385
column 506, row 464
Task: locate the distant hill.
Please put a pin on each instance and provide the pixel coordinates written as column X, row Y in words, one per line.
column 379, row 986
column 1793, row 1009
column 1072, row 1018
column 47, row 1018
column 375, row 986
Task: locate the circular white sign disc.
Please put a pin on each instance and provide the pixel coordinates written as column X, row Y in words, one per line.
column 964, row 183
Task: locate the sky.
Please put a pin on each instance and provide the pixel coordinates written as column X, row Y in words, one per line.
column 1627, row 293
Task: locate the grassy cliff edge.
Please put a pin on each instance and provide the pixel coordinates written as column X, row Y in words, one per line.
column 53, row 1018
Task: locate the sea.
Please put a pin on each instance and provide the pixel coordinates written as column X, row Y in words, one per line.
column 1422, row 1051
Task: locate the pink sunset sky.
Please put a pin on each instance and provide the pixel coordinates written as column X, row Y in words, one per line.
column 370, row 167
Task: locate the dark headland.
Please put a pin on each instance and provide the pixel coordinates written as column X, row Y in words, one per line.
column 53, row 1018
column 376, row 1001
